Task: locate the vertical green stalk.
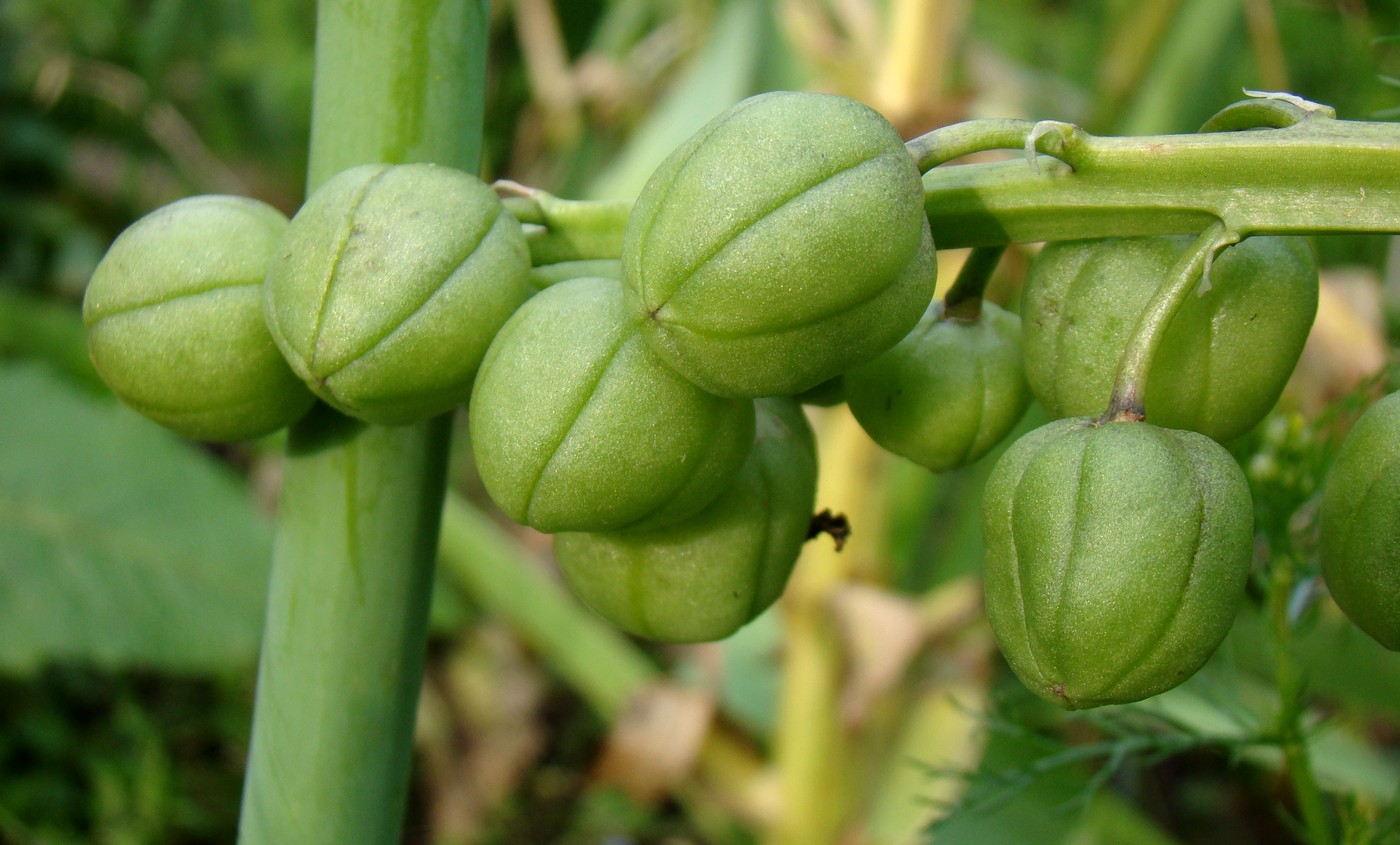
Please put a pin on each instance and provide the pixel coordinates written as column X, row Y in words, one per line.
column 342, row 659
column 964, row 298
column 1289, row 681
column 1130, row 387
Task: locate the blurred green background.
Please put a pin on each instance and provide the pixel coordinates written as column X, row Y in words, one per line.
column 862, row 710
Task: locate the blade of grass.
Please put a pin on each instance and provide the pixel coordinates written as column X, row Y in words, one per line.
column 597, row 661
column 717, row 78
column 1184, row 62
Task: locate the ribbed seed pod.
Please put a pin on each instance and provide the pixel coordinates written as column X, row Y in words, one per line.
column 1116, row 557
column 783, row 244
column 1360, row 524
column 389, row 285
column 947, row 393
column 175, row 325
column 577, row 426
column 1226, row 356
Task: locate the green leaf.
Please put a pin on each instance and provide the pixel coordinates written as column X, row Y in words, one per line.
column 1342, row 758
column 1010, row 801
column 120, row 544
column 31, row 327
column 1341, row 662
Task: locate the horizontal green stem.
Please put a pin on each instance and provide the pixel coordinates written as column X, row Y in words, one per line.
column 1317, row 176
column 1313, row 175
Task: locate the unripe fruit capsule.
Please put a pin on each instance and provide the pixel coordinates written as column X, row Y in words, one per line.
column 780, row 246
column 389, row 285
column 1116, row 557
column 1224, row 359
column 1360, row 524
column 947, row 393
column 175, row 326
column 577, row 426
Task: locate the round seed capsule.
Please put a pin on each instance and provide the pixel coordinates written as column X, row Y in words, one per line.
column 389, row 285
column 175, row 325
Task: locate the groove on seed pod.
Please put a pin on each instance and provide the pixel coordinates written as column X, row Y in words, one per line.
column 781, row 245
column 577, row 426
column 389, row 285
column 175, row 326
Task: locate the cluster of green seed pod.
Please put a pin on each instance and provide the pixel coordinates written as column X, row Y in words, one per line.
column 782, row 245
column 1117, row 549
column 636, row 405
column 620, row 402
column 218, row 318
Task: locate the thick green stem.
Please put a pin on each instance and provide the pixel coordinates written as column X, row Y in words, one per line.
column 1289, row 682
column 343, row 646
column 396, row 81
column 1126, row 401
column 1314, row 177
column 1311, row 175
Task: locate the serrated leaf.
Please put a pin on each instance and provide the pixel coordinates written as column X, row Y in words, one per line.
column 120, row 543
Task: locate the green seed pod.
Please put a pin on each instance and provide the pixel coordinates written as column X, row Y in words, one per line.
column 175, row 326
column 1116, row 557
column 1226, row 356
column 780, row 246
column 705, row 578
column 577, row 426
column 947, row 393
column 389, row 285
column 1360, row 524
